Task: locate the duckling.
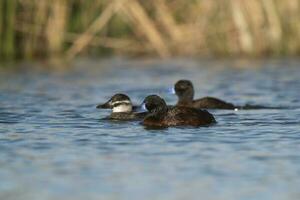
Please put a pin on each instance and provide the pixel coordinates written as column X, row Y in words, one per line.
column 121, row 108
column 160, row 115
column 185, row 91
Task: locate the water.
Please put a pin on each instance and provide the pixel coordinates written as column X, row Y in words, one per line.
column 53, row 145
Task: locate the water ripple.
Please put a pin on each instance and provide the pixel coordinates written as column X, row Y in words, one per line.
column 52, row 137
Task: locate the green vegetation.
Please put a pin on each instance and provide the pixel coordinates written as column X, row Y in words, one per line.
column 34, row 29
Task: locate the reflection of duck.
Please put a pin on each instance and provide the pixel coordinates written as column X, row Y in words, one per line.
column 160, row 115
column 121, row 108
column 185, row 91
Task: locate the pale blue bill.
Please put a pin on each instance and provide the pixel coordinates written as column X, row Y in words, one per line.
column 141, row 108
column 171, row 90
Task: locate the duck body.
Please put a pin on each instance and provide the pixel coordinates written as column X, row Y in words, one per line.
column 160, row 115
column 207, row 103
column 180, row 116
column 184, row 89
column 126, row 116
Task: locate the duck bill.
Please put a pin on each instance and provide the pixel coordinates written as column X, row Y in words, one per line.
column 171, row 90
column 140, row 108
column 106, row 105
column 143, row 107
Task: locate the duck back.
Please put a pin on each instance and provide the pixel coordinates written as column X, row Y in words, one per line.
column 188, row 116
column 180, row 116
column 212, row 103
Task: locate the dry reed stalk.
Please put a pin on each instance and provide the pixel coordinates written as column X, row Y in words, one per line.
column 34, row 13
column 288, row 9
column 245, row 36
column 164, row 16
column 114, row 43
column 1, row 25
column 296, row 17
column 26, row 28
column 125, row 45
column 199, row 29
column 56, row 24
column 26, row 17
column 129, row 19
column 254, row 12
column 146, row 26
column 8, row 32
column 290, row 12
column 193, row 41
column 255, row 17
column 141, row 47
column 39, row 19
column 294, row 6
column 193, row 27
column 226, row 43
column 84, row 39
column 275, row 31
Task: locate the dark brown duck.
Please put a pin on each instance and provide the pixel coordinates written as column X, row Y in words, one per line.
column 184, row 89
column 160, row 115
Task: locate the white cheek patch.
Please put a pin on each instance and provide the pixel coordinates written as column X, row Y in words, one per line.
column 122, row 108
column 120, row 102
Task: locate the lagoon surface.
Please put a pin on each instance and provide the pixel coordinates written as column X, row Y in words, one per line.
column 53, row 144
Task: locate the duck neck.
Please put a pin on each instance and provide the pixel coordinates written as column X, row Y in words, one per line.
column 186, row 99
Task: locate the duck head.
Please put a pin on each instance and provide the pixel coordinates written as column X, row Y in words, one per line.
column 184, row 89
column 155, row 104
column 118, row 103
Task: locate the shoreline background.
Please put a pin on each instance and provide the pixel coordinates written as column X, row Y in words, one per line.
column 34, row 29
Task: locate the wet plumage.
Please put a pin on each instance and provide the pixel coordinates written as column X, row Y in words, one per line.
column 160, row 115
column 184, row 89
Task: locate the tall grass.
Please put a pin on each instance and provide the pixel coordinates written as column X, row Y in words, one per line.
column 31, row 29
column 7, row 35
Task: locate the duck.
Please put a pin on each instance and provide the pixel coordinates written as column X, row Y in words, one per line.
column 184, row 89
column 122, row 108
column 160, row 115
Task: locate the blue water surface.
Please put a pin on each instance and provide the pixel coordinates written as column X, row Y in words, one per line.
column 53, row 145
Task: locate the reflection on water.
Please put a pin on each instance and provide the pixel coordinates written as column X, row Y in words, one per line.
column 53, row 145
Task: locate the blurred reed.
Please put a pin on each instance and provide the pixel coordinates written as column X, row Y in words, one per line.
column 31, row 29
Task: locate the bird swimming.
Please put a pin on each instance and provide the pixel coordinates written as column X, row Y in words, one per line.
column 184, row 89
column 121, row 108
column 160, row 115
